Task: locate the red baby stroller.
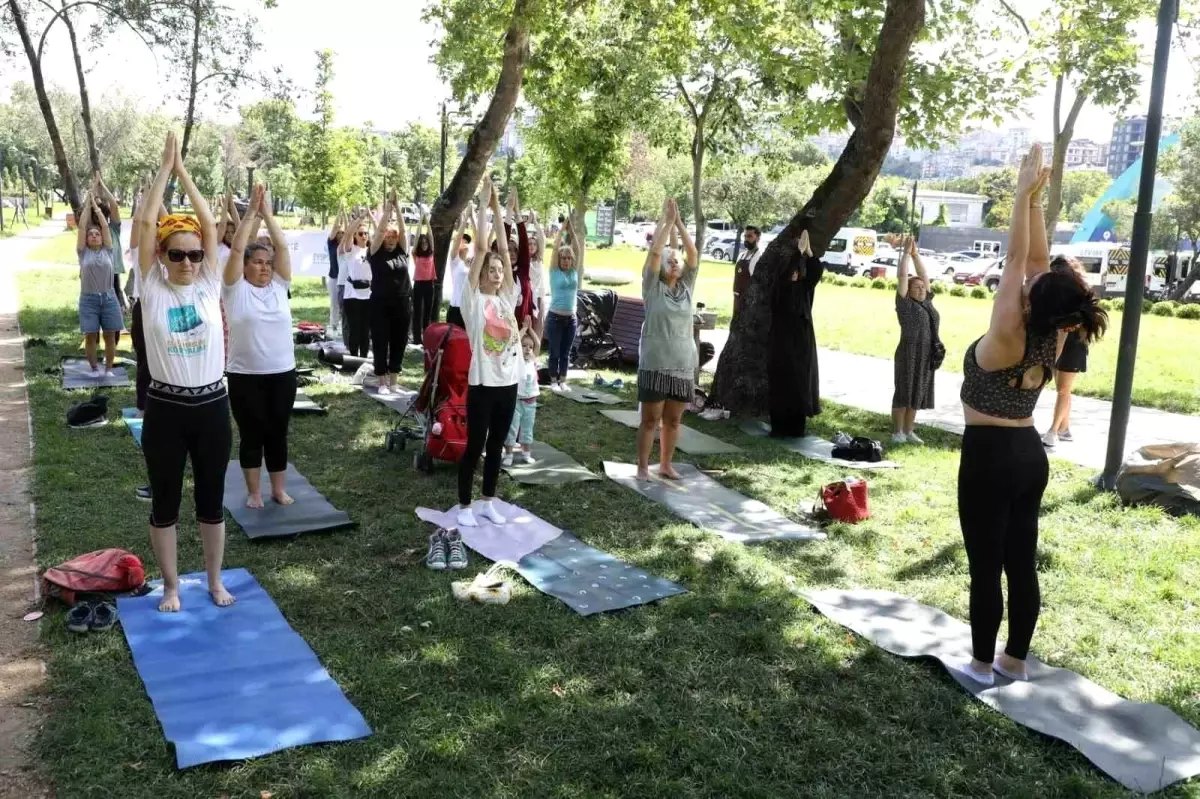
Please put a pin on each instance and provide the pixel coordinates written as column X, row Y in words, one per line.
column 440, row 409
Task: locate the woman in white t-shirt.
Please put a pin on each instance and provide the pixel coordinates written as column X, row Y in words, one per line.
column 490, row 320
column 459, row 271
column 356, row 272
column 187, row 408
column 261, row 367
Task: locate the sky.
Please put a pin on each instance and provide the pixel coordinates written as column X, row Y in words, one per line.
column 384, row 41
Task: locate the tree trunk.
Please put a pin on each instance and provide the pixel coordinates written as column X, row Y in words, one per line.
column 697, row 177
column 741, row 380
column 1193, row 273
column 1062, row 139
column 189, row 117
column 579, row 222
column 85, row 105
column 39, row 87
column 483, row 139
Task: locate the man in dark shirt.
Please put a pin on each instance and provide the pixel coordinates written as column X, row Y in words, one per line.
column 745, row 265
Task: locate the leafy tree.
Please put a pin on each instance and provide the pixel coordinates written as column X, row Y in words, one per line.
column 270, row 132
column 282, row 181
column 1080, row 191
column 1120, row 213
column 886, row 208
column 329, row 157
column 741, row 192
column 1182, row 166
column 420, row 146
column 943, row 218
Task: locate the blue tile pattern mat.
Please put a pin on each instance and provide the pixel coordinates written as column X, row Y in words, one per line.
column 134, row 423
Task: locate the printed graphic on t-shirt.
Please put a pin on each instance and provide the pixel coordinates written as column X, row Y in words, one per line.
column 189, row 337
column 497, row 329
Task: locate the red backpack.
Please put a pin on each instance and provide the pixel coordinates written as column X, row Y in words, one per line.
column 106, row 571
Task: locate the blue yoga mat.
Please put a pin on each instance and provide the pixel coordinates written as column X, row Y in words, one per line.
column 232, row 683
column 134, row 423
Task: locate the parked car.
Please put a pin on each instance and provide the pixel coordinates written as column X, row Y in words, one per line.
column 982, row 273
column 884, row 266
column 721, row 246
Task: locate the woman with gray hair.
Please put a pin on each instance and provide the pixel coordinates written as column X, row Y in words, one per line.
column 667, row 348
column 261, row 368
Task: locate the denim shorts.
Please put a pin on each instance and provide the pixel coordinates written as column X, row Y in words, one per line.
column 100, row 312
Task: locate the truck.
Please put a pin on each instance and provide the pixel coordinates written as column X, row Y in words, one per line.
column 851, row 251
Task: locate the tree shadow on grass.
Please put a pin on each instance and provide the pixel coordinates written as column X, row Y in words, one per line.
column 944, row 558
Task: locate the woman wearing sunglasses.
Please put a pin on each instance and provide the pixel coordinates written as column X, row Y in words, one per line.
column 391, row 295
column 262, row 359
column 356, row 294
column 187, row 408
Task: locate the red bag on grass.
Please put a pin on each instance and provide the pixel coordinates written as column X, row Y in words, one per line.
column 105, row 571
column 846, row 500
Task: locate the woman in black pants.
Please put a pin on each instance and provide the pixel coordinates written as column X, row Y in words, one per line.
column 1072, row 362
column 355, row 274
column 1003, row 471
column 424, row 280
column 391, row 296
column 187, row 409
column 262, row 358
column 488, row 309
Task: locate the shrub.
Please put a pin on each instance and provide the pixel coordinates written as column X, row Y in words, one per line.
column 1118, row 304
column 937, row 288
column 892, row 284
column 1147, row 306
column 980, row 293
column 958, row 291
column 827, row 277
column 1189, row 311
column 879, row 283
column 860, row 282
column 840, row 281
column 1106, row 305
column 1163, row 309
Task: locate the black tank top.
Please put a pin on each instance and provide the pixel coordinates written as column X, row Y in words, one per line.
column 999, row 393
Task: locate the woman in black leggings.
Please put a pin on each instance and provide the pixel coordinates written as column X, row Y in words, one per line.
column 488, row 309
column 391, row 296
column 1003, row 471
column 187, row 409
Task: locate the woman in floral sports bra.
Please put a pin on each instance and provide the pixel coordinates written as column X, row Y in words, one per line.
column 1003, row 470
column 489, row 312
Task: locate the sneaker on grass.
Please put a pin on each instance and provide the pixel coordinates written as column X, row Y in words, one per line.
column 457, row 558
column 104, row 616
column 144, row 493
column 436, row 557
column 79, row 618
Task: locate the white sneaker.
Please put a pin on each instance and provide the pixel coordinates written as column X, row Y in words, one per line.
column 913, row 438
column 1065, row 435
column 507, row 460
column 384, row 391
column 465, row 518
column 527, row 458
column 899, row 438
column 487, row 509
column 109, row 373
column 1050, row 440
column 96, row 371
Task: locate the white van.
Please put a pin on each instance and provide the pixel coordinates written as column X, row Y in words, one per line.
column 1094, row 257
column 851, row 251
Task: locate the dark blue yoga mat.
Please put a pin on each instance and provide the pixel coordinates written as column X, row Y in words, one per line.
column 134, row 423
column 232, row 683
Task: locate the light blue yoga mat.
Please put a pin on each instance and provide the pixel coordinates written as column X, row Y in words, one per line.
column 232, row 683
column 134, row 423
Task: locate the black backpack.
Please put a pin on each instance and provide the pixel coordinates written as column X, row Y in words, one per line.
column 860, row 448
column 88, row 413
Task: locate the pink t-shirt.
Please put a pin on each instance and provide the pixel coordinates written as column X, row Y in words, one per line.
column 425, row 269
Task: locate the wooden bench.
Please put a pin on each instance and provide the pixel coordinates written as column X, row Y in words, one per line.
column 626, row 327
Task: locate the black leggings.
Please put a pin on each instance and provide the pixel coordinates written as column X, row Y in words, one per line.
column 262, row 408
column 1001, row 477
column 357, row 326
column 422, row 313
column 389, row 335
column 138, row 334
column 177, row 426
column 489, row 415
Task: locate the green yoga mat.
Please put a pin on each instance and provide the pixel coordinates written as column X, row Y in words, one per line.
column 553, row 468
column 690, row 441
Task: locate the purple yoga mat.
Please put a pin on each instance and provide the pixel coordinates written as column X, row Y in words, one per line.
column 522, row 533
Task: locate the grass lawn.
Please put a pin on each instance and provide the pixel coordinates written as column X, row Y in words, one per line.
column 863, row 321
column 734, row 689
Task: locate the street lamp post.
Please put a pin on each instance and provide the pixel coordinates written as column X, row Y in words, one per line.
column 442, row 182
column 1139, row 250
column 249, row 181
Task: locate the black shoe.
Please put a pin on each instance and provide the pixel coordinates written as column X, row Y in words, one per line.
column 79, row 618
column 104, row 616
column 143, row 493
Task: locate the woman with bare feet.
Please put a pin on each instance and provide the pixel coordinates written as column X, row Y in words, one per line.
column 1003, row 469
column 262, row 357
column 99, row 309
column 667, row 349
column 917, row 354
column 187, row 408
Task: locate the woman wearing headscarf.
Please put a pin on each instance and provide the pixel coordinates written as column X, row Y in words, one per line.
column 919, row 353
column 424, row 280
column 391, row 295
column 187, row 407
column 793, row 384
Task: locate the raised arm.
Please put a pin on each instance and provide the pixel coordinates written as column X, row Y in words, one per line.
column 381, row 228
column 208, row 226
column 654, row 254
column 692, row 258
column 283, row 256
column 918, row 264
column 105, row 233
column 902, row 268
column 1006, row 310
column 147, row 219
column 114, row 208
column 481, row 234
column 233, row 212
column 81, row 227
column 349, row 233
column 554, row 250
column 502, row 246
column 403, row 244
column 1039, row 243
column 339, row 223
column 237, row 249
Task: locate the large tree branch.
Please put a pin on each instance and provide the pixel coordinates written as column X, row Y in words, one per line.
column 683, row 92
column 1081, row 98
column 1058, row 93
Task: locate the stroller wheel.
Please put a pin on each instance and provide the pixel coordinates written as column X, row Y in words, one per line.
column 389, row 442
column 423, row 462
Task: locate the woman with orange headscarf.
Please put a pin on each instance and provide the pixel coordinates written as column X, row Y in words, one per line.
column 187, row 408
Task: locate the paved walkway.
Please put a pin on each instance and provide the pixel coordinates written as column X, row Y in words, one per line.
column 865, row 382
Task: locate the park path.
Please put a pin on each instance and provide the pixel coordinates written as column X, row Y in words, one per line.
column 21, row 668
column 862, row 381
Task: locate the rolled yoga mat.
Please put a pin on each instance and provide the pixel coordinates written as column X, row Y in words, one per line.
column 232, row 683
column 704, row 502
column 818, row 449
column 310, row 513
column 691, row 441
column 1143, row 746
column 77, row 374
column 553, row 468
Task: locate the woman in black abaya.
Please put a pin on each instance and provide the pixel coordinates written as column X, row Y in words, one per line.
column 792, row 379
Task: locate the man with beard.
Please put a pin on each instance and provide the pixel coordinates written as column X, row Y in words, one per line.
column 745, row 265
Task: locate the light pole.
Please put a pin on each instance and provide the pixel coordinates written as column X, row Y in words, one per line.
column 1139, row 249
column 249, row 181
column 442, row 182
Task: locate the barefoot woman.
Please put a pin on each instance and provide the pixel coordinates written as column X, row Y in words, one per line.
column 262, row 357
column 1003, row 470
column 667, row 349
column 187, row 409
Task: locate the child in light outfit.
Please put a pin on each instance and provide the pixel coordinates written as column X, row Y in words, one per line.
column 521, row 430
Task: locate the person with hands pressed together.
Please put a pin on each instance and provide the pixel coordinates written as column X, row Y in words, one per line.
column 561, row 321
column 424, row 280
column 187, row 407
column 333, row 285
column 793, row 383
column 99, row 308
column 459, row 270
column 355, row 275
column 919, row 353
column 111, row 210
column 1003, row 468
column 391, row 295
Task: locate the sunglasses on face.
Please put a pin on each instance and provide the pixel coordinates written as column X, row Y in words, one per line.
column 177, row 256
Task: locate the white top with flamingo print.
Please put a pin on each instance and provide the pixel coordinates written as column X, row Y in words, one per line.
column 491, row 323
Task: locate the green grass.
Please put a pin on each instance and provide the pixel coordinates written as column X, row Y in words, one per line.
column 863, row 321
column 734, row 689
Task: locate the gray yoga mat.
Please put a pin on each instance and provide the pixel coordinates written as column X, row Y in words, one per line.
column 305, row 405
column 310, row 513
column 704, row 502
column 1143, row 746
column 398, row 402
column 690, row 441
column 814, row 447
column 77, row 374
column 587, row 395
column 553, row 468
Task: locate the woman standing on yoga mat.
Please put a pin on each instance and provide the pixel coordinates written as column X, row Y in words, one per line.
column 99, row 309
column 793, row 382
column 262, row 358
column 488, row 308
column 424, row 280
column 919, row 352
column 1003, row 469
column 187, row 408
column 356, row 308
column 1071, row 362
column 391, row 295
column 564, row 297
column 459, row 270
column 667, row 348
